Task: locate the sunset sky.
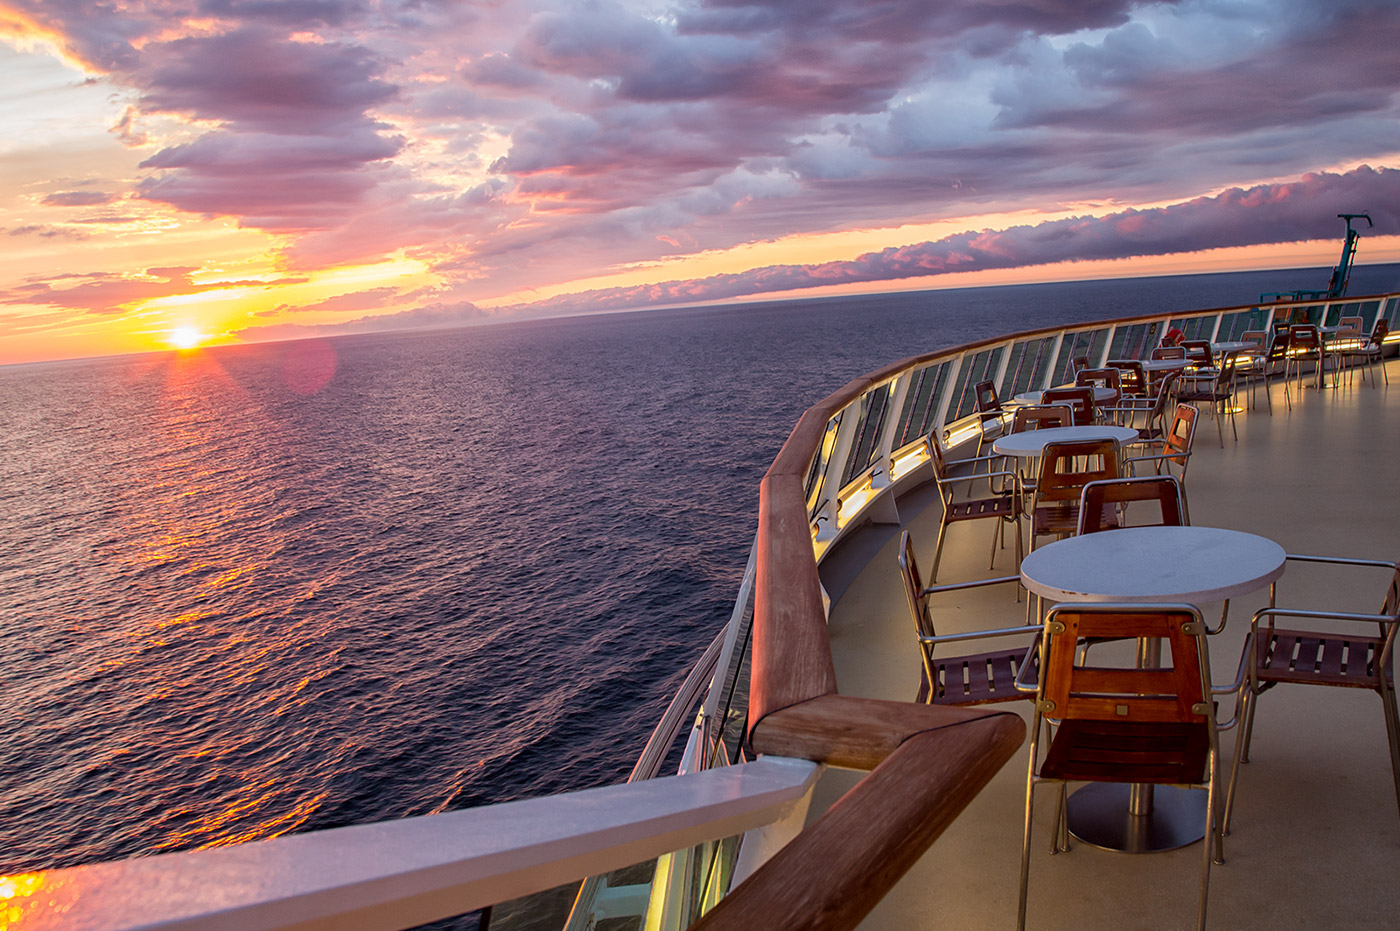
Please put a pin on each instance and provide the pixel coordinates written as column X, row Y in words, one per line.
column 233, row 170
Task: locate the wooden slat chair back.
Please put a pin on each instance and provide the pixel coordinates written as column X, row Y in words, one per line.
column 1038, row 416
column 1079, row 398
column 990, row 410
column 1078, row 364
column 1198, row 353
column 1169, row 352
column 1103, row 505
column 1003, row 506
column 973, row 679
column 1102, row 378
column 1125, row 724
column 1343, row 655
column 1065, row 468
column 1132, row 378
column 1172, row 453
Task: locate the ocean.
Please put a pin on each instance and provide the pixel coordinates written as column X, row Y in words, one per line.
column 253, row 590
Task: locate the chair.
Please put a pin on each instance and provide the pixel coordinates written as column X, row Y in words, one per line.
column 990, row 409
column 1326, row 658
column 1036, row 416
column 1216, row 389
column 1004, row 506
column 975, row 679
column 1101, row 378
column 1172, row 450
column 1198, row 354
column 1078, row 364
column 1153, row 406
column 1368, row 353
column 1305, row 345
column 1122, row 724
column 1261, row 367
column 1166, row 351
column 1079, row 398
column 1103, row 504
column 1065, row 468
column 1132, row 378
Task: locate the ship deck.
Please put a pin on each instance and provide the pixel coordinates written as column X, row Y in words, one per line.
column 1316, row 834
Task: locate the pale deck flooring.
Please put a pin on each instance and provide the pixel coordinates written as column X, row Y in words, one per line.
column 1316, row 838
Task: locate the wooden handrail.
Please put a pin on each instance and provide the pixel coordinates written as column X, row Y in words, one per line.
column 832, row 874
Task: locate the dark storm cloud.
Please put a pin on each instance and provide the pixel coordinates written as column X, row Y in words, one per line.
column 1274, row 213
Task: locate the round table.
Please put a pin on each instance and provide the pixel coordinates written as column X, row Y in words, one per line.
column 1028, row 444
column 1164, row 365
column 1194, row 565
column 1238, row 345
column 1101, row 394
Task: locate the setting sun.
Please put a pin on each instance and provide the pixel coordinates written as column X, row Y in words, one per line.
column 185, row 337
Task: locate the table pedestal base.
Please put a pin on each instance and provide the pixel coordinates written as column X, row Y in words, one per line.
column 1099, row 815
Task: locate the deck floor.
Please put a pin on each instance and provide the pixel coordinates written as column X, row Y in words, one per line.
column 1316, row 836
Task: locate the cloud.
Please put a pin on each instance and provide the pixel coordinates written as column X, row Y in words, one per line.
column 1275, row 213
column 78, row 199
column 106, row 293
column 429, row 316
column 355, row 300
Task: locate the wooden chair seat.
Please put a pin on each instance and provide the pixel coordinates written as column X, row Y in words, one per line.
column 1001, row 506
column 1112, row 751
column 1304, row 656
column 975, row 680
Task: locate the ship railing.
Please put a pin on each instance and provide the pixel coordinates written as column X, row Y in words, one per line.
column 841, row 466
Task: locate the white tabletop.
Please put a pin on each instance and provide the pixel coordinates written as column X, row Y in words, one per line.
column 1031, row 443
column 1164, row 365
column 1101, row 394
column 1192, row 565
column 1238, row 345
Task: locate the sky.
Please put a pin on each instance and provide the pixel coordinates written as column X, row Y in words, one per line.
column 223, row 171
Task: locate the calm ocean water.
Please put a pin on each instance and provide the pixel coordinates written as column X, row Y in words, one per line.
column 248, row 591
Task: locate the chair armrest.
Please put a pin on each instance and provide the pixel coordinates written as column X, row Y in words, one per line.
column 977, row 634
column 1343, row 561
column 1236, row 687
column 960, row 586
column 1032, row 661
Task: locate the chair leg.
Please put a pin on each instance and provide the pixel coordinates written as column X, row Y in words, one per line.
column 1026, row 850
column 938, row 550
column 1392, row 733
column 1242, row 736
column 1210, row 845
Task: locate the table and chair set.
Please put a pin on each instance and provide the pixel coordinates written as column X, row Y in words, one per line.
column 1126, row 573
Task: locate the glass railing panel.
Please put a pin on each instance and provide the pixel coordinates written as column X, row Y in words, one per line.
column 1368, row 311
column 982, row 366
column 921, row 400
column 1087, row 343
column 1198, row 327
column 1234, row 325
column 816, row 475
column 874, row 405
column 1134, row 340
column 1028, row 362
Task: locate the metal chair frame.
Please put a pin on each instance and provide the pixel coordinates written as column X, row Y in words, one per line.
column 1323, row 658
column 972, row 679
column 1005, row 504
column 1128, row 725
column 1175, row 446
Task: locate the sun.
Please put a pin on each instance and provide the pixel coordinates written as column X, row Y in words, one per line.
column 185, row 337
